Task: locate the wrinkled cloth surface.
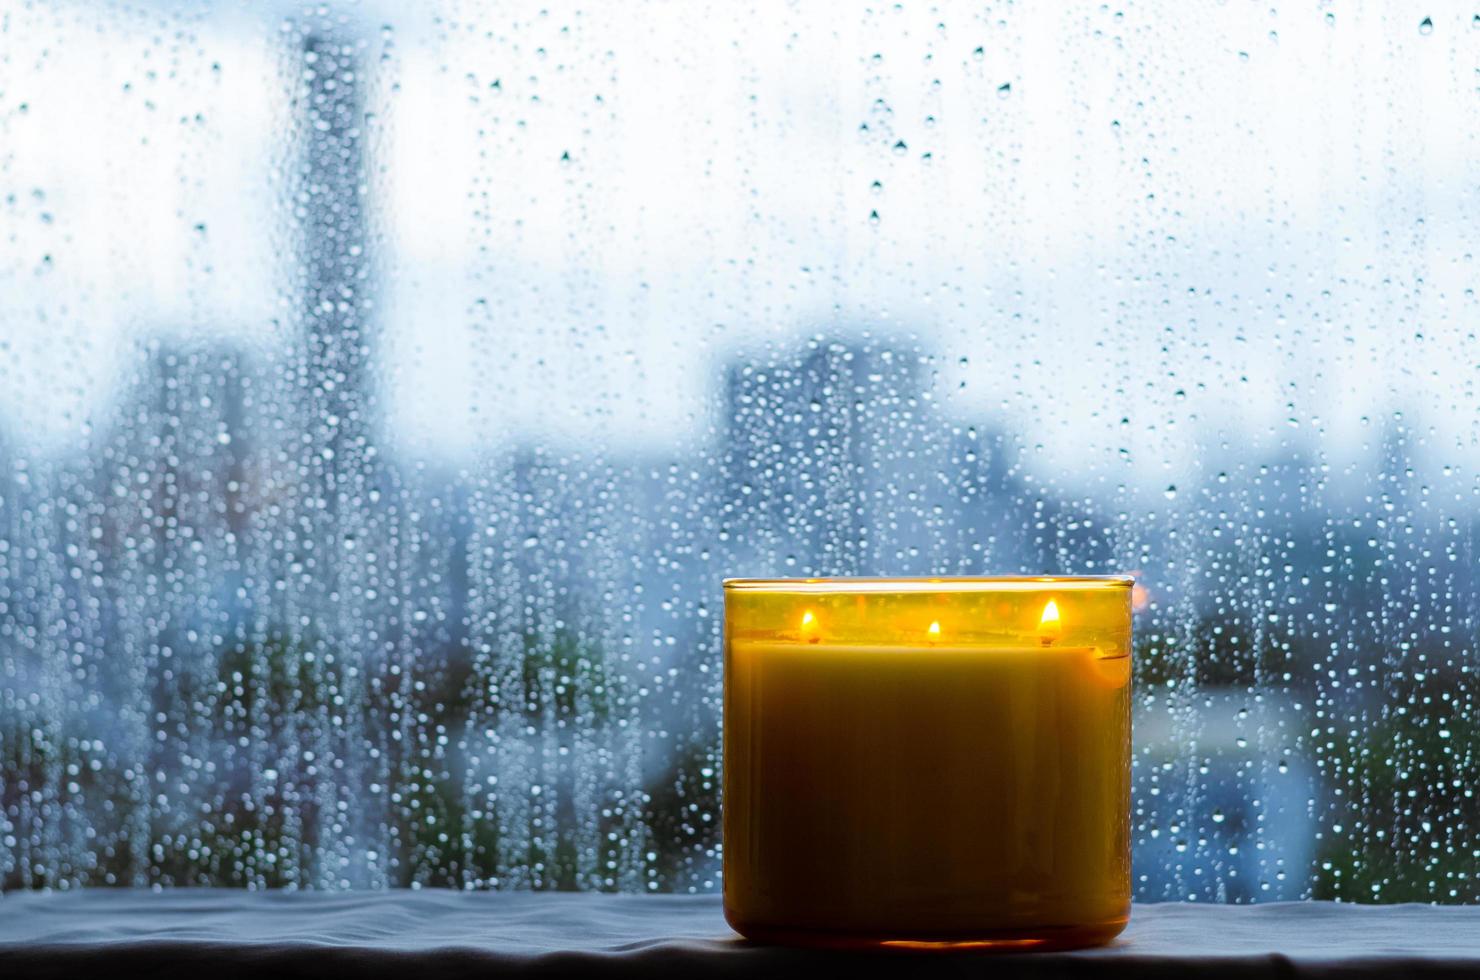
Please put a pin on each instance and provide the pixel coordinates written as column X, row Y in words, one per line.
column 217, row 933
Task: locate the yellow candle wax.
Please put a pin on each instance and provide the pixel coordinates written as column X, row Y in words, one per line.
column 927, row 761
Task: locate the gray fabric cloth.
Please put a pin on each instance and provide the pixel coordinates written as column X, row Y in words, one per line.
column 224, row 933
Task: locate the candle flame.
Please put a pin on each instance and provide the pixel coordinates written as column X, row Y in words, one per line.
column 1049, row 626
column 935, row 629
column 1050, row 614
column 808, row 620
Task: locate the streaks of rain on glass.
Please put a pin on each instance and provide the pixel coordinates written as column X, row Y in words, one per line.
column 382, row 398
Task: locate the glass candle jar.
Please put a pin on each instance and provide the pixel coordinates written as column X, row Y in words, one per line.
column 927, row 762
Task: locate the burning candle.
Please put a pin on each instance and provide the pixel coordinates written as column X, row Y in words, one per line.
column 927, row 761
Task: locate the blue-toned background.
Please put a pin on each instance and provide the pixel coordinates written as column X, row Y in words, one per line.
column 384, row 393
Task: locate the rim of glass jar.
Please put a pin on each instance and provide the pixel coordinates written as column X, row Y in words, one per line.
column 976, row 583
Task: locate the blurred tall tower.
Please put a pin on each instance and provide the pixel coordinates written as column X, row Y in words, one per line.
column 332, row 547
column 328, row 191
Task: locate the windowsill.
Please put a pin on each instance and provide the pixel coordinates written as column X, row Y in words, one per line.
column 217, row 933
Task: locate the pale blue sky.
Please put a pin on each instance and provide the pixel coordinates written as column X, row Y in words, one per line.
column 1208, row 219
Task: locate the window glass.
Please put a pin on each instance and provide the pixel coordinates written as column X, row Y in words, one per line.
column 384, row 394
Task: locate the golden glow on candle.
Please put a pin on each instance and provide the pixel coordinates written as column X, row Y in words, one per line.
column 886, row 784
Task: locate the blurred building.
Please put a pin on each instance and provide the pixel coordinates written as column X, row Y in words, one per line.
column 1223, row 807
column 838, row 461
